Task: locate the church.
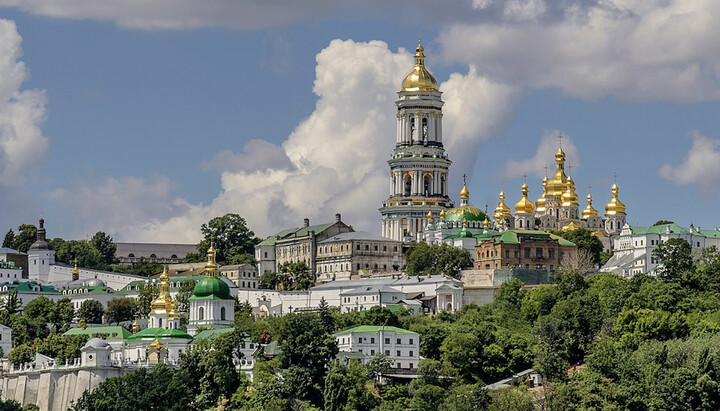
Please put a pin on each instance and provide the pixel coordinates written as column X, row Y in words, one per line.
column 419, row 208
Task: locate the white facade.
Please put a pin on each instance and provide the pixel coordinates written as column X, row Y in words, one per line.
column 5, row 339
column 364, row 298
column 210, row 314
column 243, row 275
column 634, row 246
column 402, row 346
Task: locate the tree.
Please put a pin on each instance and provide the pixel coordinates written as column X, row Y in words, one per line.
column 582, row 261
column 105, row 245
column 21, row 354
column 230, row 237
column 87, row 255
column 12, row 405
column 585, row 240
column 146, row 294
column 9, row 240
column 675, row 257
column 27, row 234
column 39, row 311
column 141, row 268
column 295, row 276
column 424, row 259
column 12, row 303
column 268, row 280
column 61, row 347
column 62, row 315
column 91, row 311
column 184, row 292
column 326, row 318
column 158, row 388
column 121, row 309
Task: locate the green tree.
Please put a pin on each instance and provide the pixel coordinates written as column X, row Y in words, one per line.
column 184, row 292
column 675, row 257
column 27, row 234
column 427, row 397
column 295, row 276
column 12, row 303
column 62, row 315
column 105, row 245
column 21, row 354
column 380, row 316
column 61, row 347
column 244, row 258
column 142, row 268
column 424, row 259
column 326, row 318
column 91, row 311
column 467, row 397
column 268, row 280
column 585, row 240
column 11, row 405
column 158, row 388
column 66, row 251
column 39, row 312
column 121, row 309
column 230, row 237
column 146, row 294
column 9, row 240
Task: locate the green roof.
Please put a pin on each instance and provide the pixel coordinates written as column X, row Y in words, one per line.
column 112, row 332
column 160, row 333
column 515, row 236
column 319, row 228
column 467, row 212
column 674, row 229
column 211, row 288
column 27, row 286
column 212, row 334
column 271, row 240
column 374, row 329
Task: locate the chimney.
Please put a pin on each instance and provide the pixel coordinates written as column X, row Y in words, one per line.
column 306, row 222
column 337, row 217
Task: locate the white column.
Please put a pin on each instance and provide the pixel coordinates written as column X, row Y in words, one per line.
column 398, row 132
column 439, row 129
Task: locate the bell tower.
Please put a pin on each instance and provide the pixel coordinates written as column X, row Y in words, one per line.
column 418, row 166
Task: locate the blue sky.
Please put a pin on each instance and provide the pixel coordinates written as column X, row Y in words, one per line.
column 146, row 123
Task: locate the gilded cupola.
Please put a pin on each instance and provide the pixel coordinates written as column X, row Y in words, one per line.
column 615, row 206
column 501, row 210
column 540, row 203
column 589, row 210
column 430, row 216
column 161, row 304
column 556, row 185
column 419, row 78
column 524, row 206
column 569, row 197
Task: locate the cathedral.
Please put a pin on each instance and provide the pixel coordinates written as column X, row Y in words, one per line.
column 419, row 208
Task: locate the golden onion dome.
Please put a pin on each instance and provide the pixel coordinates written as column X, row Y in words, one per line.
column 589, row 210
column 524, row 206
column 430, row 216
column 419, row 78
column 486, row 222
column 556, row 185
column 615, row 206
column 442, row 213
column 501, row 210
column 160, row 304
column 569, row 197
column 464, row 193
column 540, row 203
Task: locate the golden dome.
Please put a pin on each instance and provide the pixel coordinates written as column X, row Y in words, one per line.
column 161, row 304
column 486, row 222
column 540, row 203
column 501, row 210
column 571, row 226
column 556, row 185
column 589, row 210
column 615, row 207
column 157, row 345
column 135, row 327
column 569, row 197
column 419, row 78
column 211, row 267
column 442, row 213
column 430, row 215
column 464, row 193
column 524, row 206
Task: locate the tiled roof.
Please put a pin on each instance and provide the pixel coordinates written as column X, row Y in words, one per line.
column 375, row 329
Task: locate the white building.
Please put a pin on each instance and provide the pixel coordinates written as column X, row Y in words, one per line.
column 401, row 345
column 633, row 247
column 5, row 340
column 364, row 298
column 211, row 304
column 345, row 255
column 9, row 272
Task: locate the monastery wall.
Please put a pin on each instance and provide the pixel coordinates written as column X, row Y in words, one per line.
column 54, row 389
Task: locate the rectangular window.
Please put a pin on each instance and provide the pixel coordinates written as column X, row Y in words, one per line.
column 387, row 341
column 516, row 254
column 372, row 352
column 398, row 365
column 539, row 252
column 399, row 341
column 372, row 340
column 410, row 366
column 411, row 341
column 398, row 353
column 411, row 354
column 527, row 252
column 507, row 254
column 387, row 352
column 551, row 253
column 358, row 247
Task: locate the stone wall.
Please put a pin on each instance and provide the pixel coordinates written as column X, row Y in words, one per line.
column 55, row 388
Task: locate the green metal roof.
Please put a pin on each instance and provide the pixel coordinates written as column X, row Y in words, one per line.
column 515, row 237
column 674, row 229
column 115, row 332
column 212, row 334
column 271, row 240
column 319, row 228
column 375, row 329
column 27, row 286
column 211, row 288
column 160, row 333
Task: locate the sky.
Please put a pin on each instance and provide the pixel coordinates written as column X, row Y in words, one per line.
column 145, row 120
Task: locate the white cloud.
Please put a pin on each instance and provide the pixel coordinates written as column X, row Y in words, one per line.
column 633, row 49
column 544, row 156
column 335, row 161
column 701, row 164
column 523, row 10
column 22, row 112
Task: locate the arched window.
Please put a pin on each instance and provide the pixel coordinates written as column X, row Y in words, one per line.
column 424, row 129
column 408, row 185
column 131, row 255
column 426, row 188
column 442, row 185
column 174, row 256
column 153, row 256
column 222, row 313
column 201, row 313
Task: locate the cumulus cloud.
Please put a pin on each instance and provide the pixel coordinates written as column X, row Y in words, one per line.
column 544, row 156
column 334, row 161
column 633, row 49
column 701, row 164
column 121, row 205
column 22, row 112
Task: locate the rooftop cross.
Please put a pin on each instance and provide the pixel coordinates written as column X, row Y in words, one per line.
column 560, row 139
column 546, row 169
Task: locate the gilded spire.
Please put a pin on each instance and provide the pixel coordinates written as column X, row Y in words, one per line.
column 464, row 193
column 75, row 271
column 419, row 78
column 524, row 206
column 615, row 206
column 556, row 185
column 211, row 267
column 161, row 304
